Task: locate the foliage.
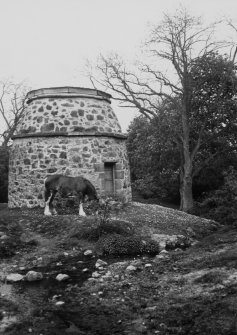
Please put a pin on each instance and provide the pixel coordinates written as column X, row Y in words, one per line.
column 154, row 159
column 220, row 205
column 99, row 223
column 118, row 245
column 152, row 146
column 194, row 105
column 94, row 231
column 115, row 237
column 214, row 108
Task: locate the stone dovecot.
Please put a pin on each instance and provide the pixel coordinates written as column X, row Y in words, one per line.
column 71, row 131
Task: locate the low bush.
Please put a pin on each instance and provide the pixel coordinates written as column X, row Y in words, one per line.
column 95, row 229
column 119, row 245
column 220, row 205
column 150, row 247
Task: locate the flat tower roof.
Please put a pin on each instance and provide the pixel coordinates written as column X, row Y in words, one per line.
column 67, row 91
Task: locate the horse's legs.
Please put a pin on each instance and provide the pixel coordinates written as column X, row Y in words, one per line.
column 51, row 205
column 47, row 196
column 81, row 210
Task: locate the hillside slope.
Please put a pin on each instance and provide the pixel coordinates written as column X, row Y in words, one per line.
column 191, row 291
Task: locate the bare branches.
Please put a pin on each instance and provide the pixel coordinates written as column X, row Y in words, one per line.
column 125, row 85
column 166, row 77
column 230, row 23
column 176, row 41
column 11, row 107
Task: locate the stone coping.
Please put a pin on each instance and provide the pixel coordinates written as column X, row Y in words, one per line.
column 75, row 134
column 67, row 92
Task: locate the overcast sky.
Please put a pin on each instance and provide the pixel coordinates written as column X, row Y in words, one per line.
column 47, row 42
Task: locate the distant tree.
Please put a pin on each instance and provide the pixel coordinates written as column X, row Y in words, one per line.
column 12, row 98
column 213, row 105
column 179, row 40
column 213, row 108
column 154, row 160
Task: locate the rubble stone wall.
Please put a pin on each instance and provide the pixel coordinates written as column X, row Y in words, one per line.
column 32, row 159
column 72, row 115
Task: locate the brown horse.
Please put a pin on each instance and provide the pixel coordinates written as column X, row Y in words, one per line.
column 66, row 185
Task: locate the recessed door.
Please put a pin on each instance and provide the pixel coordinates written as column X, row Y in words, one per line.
column 109, row 178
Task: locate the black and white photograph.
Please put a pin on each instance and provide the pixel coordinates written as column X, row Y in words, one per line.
column 118, row 167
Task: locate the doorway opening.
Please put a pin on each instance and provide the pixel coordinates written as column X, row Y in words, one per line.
column 109, row 169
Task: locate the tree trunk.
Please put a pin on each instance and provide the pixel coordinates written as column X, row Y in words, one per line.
column 186, row 194
column 186, row 180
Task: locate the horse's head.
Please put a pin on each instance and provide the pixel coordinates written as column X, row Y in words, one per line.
column 90, row 191
column 93, row 196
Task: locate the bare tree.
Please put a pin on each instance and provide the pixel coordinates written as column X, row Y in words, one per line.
column 12, row 106
column 176, row 42
column 233, row 52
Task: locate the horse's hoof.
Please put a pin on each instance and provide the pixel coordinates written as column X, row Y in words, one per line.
column 47, row 213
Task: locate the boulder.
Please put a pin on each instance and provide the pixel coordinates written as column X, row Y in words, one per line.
column 33, row 276
column 99, row 263
column 14, row 277
column 88, row 253
column 62, row 277
column 172, row 241
column 131, row 268
column 95, row 274
column 4, row 237
column 148, row 265
column 59, row 303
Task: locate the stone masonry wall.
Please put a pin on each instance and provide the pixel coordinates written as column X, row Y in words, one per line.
column 72, row 115
column 33, row 158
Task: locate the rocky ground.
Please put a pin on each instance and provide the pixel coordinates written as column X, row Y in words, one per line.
column 63, row 275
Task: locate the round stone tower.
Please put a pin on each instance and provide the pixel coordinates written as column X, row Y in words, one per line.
column 71, row 131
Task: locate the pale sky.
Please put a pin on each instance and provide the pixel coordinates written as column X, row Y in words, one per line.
column 47, row 42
